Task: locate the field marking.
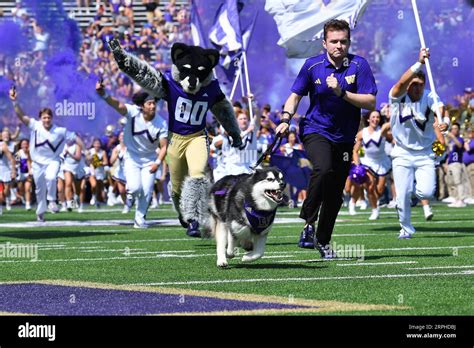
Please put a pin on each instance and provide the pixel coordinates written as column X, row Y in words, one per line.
column 375, row 263
column 313, row 305
column 173, row 222
column 281, row 254
column 439, row 267
column 247, row 280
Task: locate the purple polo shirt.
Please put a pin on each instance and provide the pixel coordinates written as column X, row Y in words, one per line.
column 455, row 153
column 187, row 112
column 328, row 114
column 468, row 156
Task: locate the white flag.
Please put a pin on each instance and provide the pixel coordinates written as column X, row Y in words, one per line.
column 301, row 22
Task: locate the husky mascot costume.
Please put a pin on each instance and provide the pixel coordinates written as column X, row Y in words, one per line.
column 190, row 91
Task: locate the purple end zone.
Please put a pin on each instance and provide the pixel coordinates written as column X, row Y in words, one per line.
column 55, row 300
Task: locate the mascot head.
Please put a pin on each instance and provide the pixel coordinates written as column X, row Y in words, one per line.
column 192, row 66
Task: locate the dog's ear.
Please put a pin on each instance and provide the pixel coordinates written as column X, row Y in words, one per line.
column 177, row 49
column 213, row 56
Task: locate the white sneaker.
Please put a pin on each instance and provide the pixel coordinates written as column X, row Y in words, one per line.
column 53, row 207
column 404, row 234
column 375, row 214
column 448, row 200
column 28, row 206
column 428, row 212
column 457, row 204
column 8, row 204
column 154, row 204
column 363, row 205
column 392, row 204
column 469, row 201
column 80, row 209
column 69, row 205
column 63, row 208
column 126, row 209
column 140, row 224
column 352, row 210
column 93, row 201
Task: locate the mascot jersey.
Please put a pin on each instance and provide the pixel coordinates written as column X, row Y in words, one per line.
column 187, row 112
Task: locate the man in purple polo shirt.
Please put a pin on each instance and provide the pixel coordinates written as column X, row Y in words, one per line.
column 456, row 171
column 339, row 85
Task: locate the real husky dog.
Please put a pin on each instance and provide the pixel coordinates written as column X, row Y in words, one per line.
column 242, row 210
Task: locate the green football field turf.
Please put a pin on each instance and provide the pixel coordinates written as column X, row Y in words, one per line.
column 431, row 274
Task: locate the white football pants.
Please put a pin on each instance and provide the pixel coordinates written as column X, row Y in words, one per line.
column 407, row 167
column 46, row 184
column 140, row 185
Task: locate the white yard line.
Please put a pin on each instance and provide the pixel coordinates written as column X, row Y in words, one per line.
column 280, row 253
column 375, row 263
column 247, row 280
column 439, row 267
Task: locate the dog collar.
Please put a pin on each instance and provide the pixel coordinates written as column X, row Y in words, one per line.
column 259, row 220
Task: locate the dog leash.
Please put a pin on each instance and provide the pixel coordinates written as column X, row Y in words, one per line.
column 276, row 143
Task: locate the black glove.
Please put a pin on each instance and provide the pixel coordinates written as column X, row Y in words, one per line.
column 118, row 53
column 237, row 141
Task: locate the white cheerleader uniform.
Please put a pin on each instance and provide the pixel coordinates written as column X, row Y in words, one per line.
column 98, row 172
column 375, row 157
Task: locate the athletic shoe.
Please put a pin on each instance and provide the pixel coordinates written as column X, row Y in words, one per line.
column 404, row 235
column 40, row 217
column 80, row 209
column 457, row 204
column 63, row 209
column 448, row 200
column 428, row 212
column 69, row 205
column 392, row 204
column 140, row 224
column 8, row 204
column 375, row 214
column 326, row 251
column 307, row 237
column 53, row 207
column 154, row 204
column 193, row 229
column 126, row 209
column 469, row 201
column 352, row 209
column 111, row 201
column 28, row 206
column 93, row 201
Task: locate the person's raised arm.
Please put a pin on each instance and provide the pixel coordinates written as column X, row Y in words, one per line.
column 18, row 110
column 113, row 102
column 401, row 87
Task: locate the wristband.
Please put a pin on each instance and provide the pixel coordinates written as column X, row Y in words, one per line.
column 287, row 112
column 285, row 120
column 416, row 67
column 105, row 96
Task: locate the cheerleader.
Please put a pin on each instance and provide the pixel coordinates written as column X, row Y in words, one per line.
column 74, row 174
column 118, row 154
column 24, row 178
column 7, row 166
column 373, row 138
column 97, row 158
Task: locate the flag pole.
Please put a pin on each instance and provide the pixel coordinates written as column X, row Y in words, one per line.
column 236, row 80
column 247, row 81
column 427, row 62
